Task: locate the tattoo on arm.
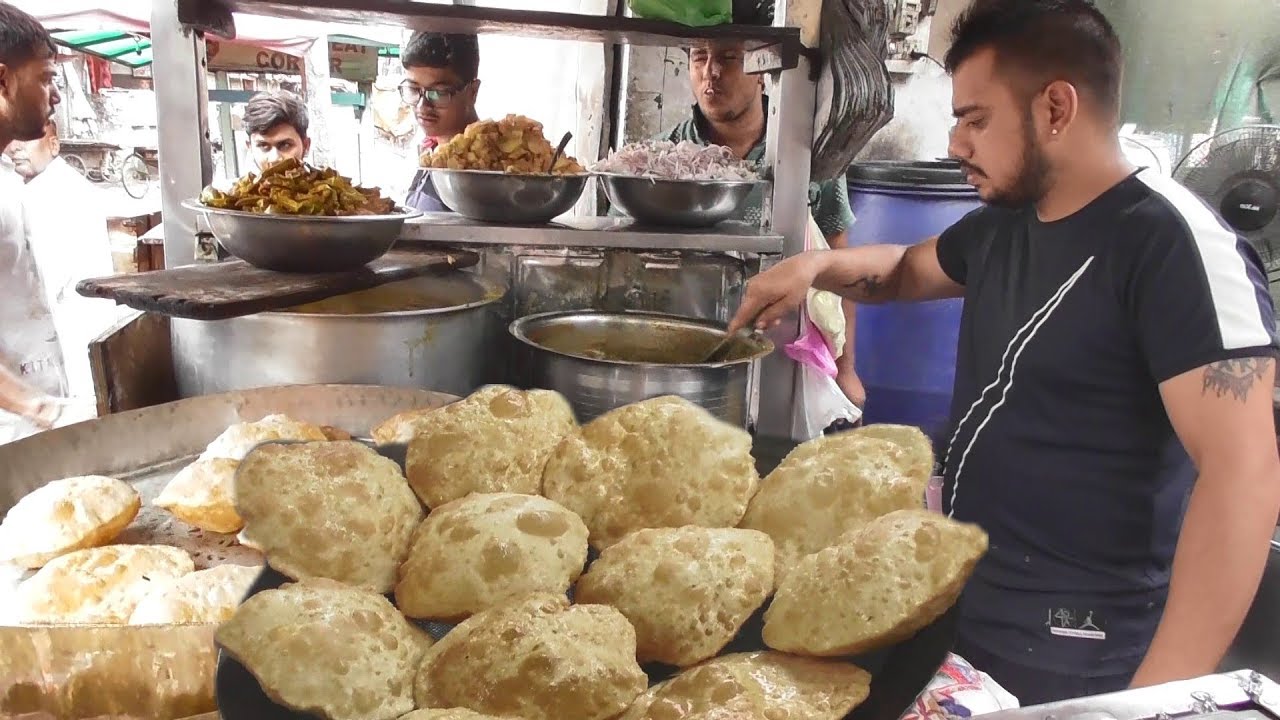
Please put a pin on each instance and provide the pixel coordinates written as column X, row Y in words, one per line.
column 865, row 287
column 1234, row 377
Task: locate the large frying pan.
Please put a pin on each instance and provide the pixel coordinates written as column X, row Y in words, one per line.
column 898, row 674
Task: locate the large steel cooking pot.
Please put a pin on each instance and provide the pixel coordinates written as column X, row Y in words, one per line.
column 603, row 360
column 436, row 332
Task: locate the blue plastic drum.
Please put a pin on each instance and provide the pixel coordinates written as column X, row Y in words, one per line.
column 906, row 353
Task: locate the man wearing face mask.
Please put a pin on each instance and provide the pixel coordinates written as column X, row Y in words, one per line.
column 32, row 379
column 1112, row 427
column 441, row 83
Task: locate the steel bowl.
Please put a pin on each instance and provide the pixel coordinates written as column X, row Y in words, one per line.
column 304, row 243
column 508, row 198
column 681, row 203
column 602, row 360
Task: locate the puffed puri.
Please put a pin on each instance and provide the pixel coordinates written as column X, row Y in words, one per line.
column 329, row 649
column 686, row 590
column 486, row 549
column 537, row 658
column 335, row 510
column 497, row 439
column 752, row 685
column 835, row 484
column 661, row 462
column 875, row 587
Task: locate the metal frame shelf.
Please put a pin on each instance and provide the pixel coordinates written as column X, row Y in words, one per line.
column 593, row 232
column 186, row 165
column 771, row 48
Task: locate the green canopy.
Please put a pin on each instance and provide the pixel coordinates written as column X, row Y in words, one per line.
column 129, row 49
column 134, row 51
column 384, row 50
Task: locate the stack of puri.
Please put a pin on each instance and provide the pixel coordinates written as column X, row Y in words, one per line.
column 67, row 532
column 489, row 528
column 84, row 561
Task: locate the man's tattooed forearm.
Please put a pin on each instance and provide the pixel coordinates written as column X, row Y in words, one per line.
column 865, row 287
column 1234, row 377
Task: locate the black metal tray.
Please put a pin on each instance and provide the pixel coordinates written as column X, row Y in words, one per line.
column 898, row 673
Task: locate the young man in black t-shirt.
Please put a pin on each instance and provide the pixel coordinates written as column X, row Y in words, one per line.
column 1112, row 425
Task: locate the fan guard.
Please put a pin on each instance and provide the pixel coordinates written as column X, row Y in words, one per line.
column 1237, row 173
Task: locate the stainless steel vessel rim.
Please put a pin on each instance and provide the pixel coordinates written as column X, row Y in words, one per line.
column 654, row 179
column 503, row 173
column 516, row 328
column 491, row 295
column 401, row 213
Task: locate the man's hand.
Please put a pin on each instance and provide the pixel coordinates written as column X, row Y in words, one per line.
column 851, row 385
column 48, row 412
column 777, row 291
column 76, row 409
column 43, row 412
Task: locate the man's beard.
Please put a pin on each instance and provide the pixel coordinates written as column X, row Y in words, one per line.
column 1031, row 181
column 32, row 127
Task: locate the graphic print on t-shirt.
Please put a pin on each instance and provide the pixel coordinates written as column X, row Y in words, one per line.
column 1011, row 355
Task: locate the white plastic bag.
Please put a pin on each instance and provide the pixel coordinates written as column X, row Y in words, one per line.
column 820, row 403
column 819, row 400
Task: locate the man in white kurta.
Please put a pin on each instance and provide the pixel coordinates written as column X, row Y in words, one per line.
column 66, row 230
column 29, row 350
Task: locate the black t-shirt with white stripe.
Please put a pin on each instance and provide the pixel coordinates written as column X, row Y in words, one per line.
column 1061, row 448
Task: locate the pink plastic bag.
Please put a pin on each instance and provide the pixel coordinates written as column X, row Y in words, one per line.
column 820, row 400
column 811, row 349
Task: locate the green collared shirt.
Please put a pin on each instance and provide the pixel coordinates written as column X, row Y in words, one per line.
column 828, row 201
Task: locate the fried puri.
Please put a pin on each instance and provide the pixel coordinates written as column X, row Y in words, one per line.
column 829, row 486
column 663, row 462
column 537, row 658
column 335, row 510
column 486, row 549
column 748, row 686
column 98, row 585
column 497, row 439
column 64, row 516
column 204, row 596
column 329, row 649
column 686, row 590
column 876, row 586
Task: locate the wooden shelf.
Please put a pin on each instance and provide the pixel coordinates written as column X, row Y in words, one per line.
column 771, row 48
column 217, row 291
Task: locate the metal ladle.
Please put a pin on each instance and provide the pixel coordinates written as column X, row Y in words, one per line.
column 564, row 142
column 721, row 350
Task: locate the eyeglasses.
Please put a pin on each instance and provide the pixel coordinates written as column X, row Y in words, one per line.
column 411, row 94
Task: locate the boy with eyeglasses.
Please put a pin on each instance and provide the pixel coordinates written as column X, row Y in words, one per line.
column 440, row 85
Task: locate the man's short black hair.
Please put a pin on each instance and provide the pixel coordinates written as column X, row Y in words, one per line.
column 1047, row 40
column 269, row 109
column 459, row 53
column 22, row 37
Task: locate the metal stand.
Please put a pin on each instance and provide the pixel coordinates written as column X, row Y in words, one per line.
column 182, row 104
column 186, row 168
